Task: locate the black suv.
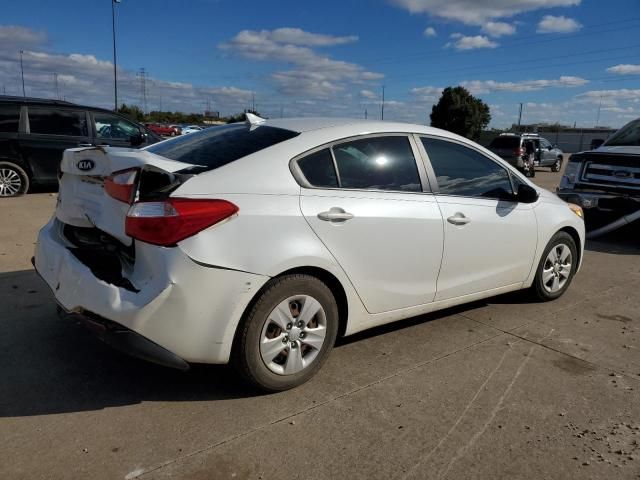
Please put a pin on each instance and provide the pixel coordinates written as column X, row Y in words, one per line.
column 34, row 133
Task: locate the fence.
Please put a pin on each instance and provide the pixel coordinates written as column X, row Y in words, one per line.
column 568, row 142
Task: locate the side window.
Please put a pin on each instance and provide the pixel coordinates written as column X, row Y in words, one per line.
column 544, row 143
column 318, row 169
column 9, row 118
column 381, row 163
column 112, row 126
column 465, row 172
column 53, row 121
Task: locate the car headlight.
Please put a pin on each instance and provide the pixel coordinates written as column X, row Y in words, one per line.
column 577, row 209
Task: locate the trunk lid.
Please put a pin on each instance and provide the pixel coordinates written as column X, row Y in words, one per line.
column 82, row 199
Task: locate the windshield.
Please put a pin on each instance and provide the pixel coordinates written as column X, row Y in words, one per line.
column 214, row 147
column 628, row 135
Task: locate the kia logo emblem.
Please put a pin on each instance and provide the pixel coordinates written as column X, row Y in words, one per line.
column 85, row 165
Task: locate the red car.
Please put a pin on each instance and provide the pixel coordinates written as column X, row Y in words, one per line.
column 164, row 130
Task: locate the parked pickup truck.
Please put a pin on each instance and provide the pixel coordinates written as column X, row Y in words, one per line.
column 605, row 182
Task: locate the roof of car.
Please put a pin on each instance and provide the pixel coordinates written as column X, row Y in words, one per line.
column 46, row 101
column 308, row 124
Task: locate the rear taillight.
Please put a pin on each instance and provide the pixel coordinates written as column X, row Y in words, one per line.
column 518, row 152
column 168, row 222
column 122, row 185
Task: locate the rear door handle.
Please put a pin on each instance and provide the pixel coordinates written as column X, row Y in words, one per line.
column 458, row 219
column 335, row 214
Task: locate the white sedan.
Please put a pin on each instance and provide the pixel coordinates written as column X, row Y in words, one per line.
column 259, row 243
column 191, row 129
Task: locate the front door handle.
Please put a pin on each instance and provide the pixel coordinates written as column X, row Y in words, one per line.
column 335, row 214
column 458, row 219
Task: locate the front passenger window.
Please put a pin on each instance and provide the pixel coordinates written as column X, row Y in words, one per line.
column 464, row 172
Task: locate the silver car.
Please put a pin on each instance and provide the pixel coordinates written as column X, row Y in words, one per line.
column 511, row 147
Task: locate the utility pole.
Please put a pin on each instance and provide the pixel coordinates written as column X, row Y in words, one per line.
column 55, row 84
column 382, row 106
column 365, row 114
column 115, row 73
column 253, row 101
column 520, row 116
column 143, row 89
column 598, row 116
column 281, row 111
column 22, row 73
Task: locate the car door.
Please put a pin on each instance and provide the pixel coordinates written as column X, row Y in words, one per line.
column 368, row 201
column 115, row 131
column 50, row 130
column 489, row 238
column 548, row 155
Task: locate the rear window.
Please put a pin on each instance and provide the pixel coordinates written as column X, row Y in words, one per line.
column 629, row 135
column 9, row 118
column 217, row 146
column 505, row 142
column 53, row 121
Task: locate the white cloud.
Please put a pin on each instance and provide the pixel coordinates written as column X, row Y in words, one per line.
column 87, row 79
column 610, row 97
column 487, row 86
column 552, row 24
column 464, row 42
column 477, row 12
column 625, row 69
column 427, row 94
column 498, row 29
column 315, row 74
column 368, row 94
column 430, row 32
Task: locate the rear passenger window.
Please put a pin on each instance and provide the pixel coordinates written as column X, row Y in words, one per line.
column 318, row 169
column 9, row 118
column 380, row 163
column 465, row 172
column 53, row 121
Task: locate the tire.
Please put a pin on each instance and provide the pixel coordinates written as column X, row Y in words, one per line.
column 14, row 181
column 543, row 287
column 274, row 369
column 557, row 166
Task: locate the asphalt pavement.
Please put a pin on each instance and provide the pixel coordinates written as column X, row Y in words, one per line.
column 498, row 389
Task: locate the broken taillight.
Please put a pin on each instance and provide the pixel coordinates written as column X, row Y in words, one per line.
column 168, row 222
column 122, row 185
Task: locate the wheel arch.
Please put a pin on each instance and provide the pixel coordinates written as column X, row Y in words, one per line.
column 321, row 274
column 576, row 238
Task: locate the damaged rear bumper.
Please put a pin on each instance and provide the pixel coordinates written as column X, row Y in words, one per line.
column 188, row 310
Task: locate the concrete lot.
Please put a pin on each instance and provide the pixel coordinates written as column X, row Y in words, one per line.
column 502, row 388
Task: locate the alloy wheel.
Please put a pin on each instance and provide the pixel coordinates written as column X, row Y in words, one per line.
column 557, row 268
column 293, row 335
column 10, row 182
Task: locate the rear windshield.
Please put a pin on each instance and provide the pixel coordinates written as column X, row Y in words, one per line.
column 217, row 146
column 628, row 135
column 505, row 142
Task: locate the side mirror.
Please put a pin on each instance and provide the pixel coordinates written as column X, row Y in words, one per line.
column 137, row 140
column 526, row 194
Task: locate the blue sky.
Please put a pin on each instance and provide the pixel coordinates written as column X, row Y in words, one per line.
column 563, row 59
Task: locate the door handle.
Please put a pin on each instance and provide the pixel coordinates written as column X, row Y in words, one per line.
column 458, row 219
column 335, row 214
column 85, row 144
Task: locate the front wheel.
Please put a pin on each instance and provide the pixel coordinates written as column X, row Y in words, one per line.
column 14, row 181
column 288, row 333
column 556, row 166
column 557, row 267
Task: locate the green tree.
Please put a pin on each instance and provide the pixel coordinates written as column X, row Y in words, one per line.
column 460, row 112
column 132, row 111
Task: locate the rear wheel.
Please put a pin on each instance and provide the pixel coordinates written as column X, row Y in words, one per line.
column 14, row 181
column 288, row 333
column 556, row 166
column 556, row 268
